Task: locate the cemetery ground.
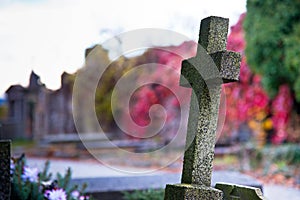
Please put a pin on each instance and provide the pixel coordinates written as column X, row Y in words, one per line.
column 279, row 176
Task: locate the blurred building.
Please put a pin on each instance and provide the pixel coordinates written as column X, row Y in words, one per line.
column 36, row 111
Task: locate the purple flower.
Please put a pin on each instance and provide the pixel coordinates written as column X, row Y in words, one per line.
column 75, row 194
column 47, row 193
column 30, row 174
column 58, row 194
column 84, row 198
column 12, row 166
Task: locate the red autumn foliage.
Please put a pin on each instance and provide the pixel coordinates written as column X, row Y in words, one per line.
column 246, row 100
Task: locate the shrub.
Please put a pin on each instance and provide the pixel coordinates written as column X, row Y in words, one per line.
column 145, row 194
column 28, row 183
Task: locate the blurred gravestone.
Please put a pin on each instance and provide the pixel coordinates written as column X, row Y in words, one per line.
column 244, row 134
column 244, row 137
column 202, row 124
column 5, row 169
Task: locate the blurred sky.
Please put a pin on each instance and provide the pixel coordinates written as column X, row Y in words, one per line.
column 50, row 36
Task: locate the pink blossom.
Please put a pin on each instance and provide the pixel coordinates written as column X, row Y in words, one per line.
column 56, row 194
column 75, row 194
column 12, row 166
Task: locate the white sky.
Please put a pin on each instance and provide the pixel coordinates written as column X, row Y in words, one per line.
column 50, row 36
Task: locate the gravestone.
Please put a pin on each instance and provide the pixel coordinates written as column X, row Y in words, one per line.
column 236, row 192
column 5, row 169
column 200, row 74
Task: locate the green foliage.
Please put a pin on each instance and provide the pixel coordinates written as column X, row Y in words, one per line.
column 113, row 70
column 3, row 111
column 64, row 182
column 26, row 189
column 24, row 143
column 284, row 157
column 256, row 159
column 272, row 33
column 286, row 153
column 106, row 85
column 145, row 195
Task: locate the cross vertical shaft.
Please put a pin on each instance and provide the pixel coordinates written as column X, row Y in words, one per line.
column 199, row 155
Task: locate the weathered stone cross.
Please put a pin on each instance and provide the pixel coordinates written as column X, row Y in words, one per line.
column 205, row 73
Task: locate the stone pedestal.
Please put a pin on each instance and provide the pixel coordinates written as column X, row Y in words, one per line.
column 233, row 191
column 191, row 192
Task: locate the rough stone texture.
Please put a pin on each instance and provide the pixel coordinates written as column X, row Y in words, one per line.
column 213, row 34
column 198, row 158
column 232, row 191
column 204, row 74
column 189, row 191
column 5, row 169
column 228, row 64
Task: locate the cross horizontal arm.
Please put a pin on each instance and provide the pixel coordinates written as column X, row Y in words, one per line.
column 228, row 64
column 223, row 65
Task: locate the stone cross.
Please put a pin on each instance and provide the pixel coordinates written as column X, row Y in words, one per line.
column 5, row 169
column 212, row 66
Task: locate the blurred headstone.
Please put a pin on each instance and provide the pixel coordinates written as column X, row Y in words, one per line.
column 244, row 137
column 244, row 134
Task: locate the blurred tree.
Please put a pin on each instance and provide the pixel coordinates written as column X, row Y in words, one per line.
column 248, row 103
column 142, row 99
column 164, row 91
column 106, row 85
column 113, row 71
column 272, row 33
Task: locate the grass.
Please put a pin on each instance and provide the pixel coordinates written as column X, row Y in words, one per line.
column 23, row 143
column 226, row 160
column 152, row 194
